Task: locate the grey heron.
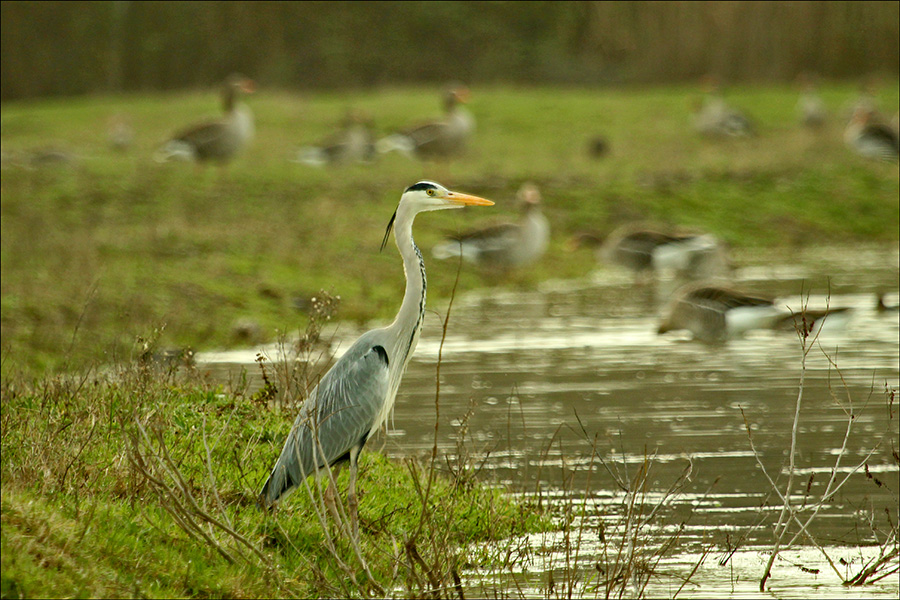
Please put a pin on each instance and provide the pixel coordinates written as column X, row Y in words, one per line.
column 218, row 140
column 506, row 245
column 441, row 138
column 715, row 314
column 354, row 398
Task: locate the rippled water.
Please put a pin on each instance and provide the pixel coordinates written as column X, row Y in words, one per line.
column 539, row 387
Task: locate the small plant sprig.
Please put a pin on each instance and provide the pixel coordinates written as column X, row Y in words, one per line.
column 808, row 332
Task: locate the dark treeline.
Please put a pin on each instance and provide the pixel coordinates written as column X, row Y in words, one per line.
column 71, row 47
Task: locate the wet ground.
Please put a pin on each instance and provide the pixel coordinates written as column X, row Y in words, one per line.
column 567, row 391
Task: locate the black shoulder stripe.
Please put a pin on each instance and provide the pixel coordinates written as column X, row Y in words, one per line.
column 380, row 351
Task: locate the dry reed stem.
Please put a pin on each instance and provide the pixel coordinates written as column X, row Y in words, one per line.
column 789, row 512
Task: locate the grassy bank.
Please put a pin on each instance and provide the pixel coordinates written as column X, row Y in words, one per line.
column 142, row 484
column 113, row 246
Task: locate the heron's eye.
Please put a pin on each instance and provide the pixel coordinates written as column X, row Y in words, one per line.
column 430, row 192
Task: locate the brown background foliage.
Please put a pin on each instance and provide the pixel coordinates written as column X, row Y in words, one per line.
column 66, row 48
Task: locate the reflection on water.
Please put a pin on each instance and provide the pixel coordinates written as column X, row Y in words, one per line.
column 545, row 384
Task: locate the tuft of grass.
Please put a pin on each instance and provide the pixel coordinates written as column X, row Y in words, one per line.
column 142, row 483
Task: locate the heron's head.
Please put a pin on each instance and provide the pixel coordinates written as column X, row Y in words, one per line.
column 428, row 195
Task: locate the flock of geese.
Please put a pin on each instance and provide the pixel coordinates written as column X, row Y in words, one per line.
column 867, row 132
column 710, row 310
column 223, row 139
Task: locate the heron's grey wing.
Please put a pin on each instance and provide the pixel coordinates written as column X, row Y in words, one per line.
column 336, row 417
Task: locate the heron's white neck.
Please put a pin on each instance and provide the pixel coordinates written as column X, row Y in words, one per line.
column 408, row 324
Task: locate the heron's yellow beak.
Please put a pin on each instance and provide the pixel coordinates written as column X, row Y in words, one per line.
column 467, row 199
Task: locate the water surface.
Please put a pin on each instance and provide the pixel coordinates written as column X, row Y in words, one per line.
column 564, row 390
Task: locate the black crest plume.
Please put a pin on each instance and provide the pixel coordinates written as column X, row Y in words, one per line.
column 388, row 231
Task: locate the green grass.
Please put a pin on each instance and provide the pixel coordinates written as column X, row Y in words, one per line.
column 83, row 514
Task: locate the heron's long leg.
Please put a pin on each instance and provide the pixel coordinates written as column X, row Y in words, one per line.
column 329, row 497
column 351, row 495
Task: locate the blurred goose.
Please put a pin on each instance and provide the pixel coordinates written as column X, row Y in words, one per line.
column 871, row 138
column 716, row 314
column 882, row 307
column 352, row 143
column 218, row 140
column 811, row 109
column 508, row 245
column 866, row 99
column 442, row 138
column 714, row 117
column 119, row 133
column 598, row 146
column 37, row 158
column 648, row 251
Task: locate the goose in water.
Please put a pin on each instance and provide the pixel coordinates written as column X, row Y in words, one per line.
column 883, row 307
column 715, row 314
column 220, row 140
column 651, row 252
